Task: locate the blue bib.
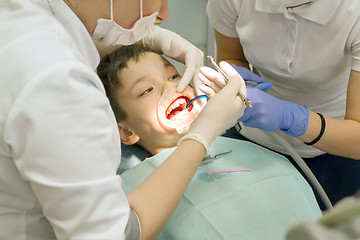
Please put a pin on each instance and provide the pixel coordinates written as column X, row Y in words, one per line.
column 259, row 204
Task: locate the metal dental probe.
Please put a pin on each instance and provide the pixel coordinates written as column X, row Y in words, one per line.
column 240, row 94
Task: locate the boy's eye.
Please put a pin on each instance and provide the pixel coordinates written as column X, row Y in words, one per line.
column 146, row 91
column 174, row 77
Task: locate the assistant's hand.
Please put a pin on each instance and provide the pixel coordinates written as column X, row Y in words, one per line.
column 249, row 76
column 221, row 111
column 176, row 47
column 270, row 114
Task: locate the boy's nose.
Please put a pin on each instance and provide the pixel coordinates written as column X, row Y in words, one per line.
column 169, row 85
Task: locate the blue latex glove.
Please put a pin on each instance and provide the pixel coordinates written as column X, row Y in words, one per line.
column 269, row 114
column 247, row 75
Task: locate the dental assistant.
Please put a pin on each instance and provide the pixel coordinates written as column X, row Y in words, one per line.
column 310, row 51
column 59, row 142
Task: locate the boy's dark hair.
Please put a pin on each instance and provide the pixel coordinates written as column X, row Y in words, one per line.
column 109, row 67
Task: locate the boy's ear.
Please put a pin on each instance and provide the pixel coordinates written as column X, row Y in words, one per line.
column 127, row 136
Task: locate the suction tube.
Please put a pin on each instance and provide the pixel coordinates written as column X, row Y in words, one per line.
column 301, row 163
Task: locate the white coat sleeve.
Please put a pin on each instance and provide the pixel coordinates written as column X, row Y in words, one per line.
column 66, row 145
column 354, row 44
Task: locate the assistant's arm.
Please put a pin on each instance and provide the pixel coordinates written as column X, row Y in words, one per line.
column 230, row 50
column 341, row 137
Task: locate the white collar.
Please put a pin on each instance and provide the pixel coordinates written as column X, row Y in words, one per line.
column 319, row 11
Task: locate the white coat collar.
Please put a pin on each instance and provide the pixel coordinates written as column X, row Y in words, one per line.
column 77, row 31
column 319, row 11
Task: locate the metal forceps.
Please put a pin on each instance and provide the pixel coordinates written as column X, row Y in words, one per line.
column 240, row 94
column 209, row 159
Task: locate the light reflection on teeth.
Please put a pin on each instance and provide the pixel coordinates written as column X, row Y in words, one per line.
column 171, row 105
column 175, row 104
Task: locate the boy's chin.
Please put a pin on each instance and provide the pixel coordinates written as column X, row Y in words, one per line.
column 181, row 131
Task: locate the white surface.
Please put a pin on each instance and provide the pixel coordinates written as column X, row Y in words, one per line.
column 59, row 143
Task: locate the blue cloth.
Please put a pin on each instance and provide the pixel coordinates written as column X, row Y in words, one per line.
column 260, row 204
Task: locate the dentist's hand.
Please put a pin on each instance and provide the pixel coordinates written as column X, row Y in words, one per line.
column 270, row 114
column 221, row 111
column 176, row 47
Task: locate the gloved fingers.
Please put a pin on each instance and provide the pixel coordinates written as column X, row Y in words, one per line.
column 193, row 58
column 191, row 73
column 179, row 49
column 230, row 92
column 197, row 82
column 247, row 75
column 263, row 86
column 160, row 39
column 232, row 88
column 212, row 78
column 246, row 116
column 211, row 84
column 220, row 113
column 232, row 73
column 173, row 50
column 207, row 90
column 187, row 77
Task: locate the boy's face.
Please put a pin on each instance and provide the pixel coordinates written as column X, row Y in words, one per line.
column 143, row 83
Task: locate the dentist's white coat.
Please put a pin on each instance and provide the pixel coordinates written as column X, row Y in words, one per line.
column 59, row 144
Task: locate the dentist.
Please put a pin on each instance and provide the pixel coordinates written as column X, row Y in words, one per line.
column 59, row 142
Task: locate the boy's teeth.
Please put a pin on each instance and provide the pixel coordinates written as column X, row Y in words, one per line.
column 175, row 105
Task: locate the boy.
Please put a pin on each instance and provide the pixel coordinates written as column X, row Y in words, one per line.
column 258, row 204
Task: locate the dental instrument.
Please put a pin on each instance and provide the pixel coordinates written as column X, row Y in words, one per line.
column 240, row 94
column 301, row 163
column 193, row 100
column 230, row 171
column 209, row 159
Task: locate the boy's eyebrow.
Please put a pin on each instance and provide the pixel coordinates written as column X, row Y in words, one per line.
column 144, row 77
column 138, row 81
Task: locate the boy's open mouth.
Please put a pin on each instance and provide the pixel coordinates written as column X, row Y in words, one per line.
column 177, row 106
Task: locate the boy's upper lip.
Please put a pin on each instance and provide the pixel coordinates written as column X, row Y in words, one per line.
column 186, row 94
column 176, row 96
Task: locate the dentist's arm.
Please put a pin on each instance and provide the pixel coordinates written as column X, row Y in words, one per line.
column 105, row 49
column 157, row 197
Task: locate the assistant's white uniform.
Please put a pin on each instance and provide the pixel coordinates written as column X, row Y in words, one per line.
column 307, row 52
column 59, row 143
